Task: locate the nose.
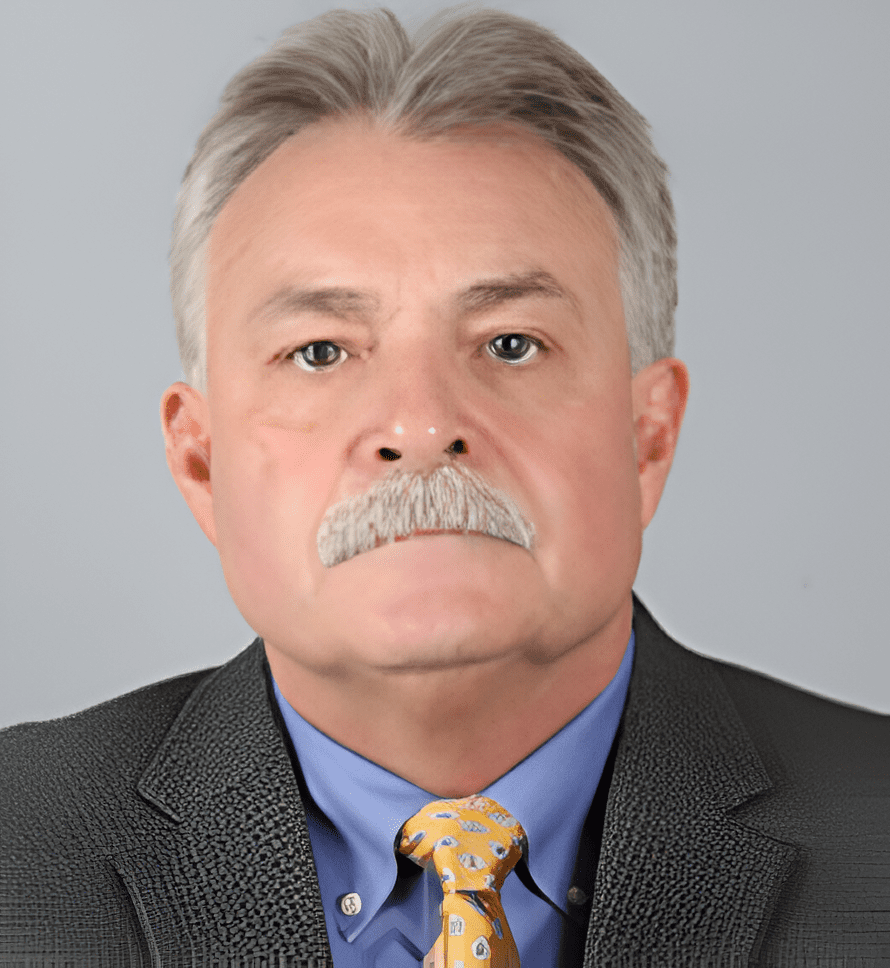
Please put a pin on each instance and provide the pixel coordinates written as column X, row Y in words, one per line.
column 416, row 415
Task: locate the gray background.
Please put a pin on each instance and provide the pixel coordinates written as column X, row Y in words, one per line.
column 770, row 548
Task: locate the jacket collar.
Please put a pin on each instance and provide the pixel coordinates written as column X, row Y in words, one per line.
column 678, row 878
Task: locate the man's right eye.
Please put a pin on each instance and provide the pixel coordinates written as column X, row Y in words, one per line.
column 321, row 354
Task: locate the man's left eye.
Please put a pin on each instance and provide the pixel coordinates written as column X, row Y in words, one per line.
column 513, row 348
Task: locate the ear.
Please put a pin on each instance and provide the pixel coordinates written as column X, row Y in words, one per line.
column 185, row 420
column 659, row 401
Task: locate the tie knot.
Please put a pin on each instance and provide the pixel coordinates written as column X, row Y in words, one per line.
column 472, row 842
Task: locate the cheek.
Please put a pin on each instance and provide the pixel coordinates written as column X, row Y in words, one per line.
column 268, row 497
column 591, row 495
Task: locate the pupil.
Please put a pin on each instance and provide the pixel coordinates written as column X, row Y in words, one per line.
column 514, row 345
column 321, row 352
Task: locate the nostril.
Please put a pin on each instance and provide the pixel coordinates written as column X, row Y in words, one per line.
column 387, row 454
column 459, row 447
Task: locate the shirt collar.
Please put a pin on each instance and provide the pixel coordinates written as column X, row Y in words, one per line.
column 359, row 807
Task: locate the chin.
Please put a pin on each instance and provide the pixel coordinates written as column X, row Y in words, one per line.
column 436, row 629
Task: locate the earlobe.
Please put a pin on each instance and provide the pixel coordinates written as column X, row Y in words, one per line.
column 660, row 392
column 186, row 425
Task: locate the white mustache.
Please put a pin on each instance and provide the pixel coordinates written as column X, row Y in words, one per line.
column 450, row 498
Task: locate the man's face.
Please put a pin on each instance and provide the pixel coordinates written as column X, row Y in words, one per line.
column 397, row 266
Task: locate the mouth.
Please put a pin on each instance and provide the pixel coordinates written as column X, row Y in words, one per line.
column 424, row 532
column 382, row 542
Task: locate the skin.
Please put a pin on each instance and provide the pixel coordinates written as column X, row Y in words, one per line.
column 409, row 653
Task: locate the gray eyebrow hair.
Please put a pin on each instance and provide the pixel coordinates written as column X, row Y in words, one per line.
column 345, row 303
column 339, row 301
column 486, row 295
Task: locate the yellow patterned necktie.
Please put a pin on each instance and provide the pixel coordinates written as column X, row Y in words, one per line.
column 473, row 844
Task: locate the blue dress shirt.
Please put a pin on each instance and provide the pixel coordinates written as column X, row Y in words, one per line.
column 357, row 808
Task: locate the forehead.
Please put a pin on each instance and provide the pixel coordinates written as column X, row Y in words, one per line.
column 355, row 201
column 360, row 155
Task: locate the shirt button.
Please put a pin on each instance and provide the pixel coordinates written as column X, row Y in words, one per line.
column 350, row 904
column 576, row 896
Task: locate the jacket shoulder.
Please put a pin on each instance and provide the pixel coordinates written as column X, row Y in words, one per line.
column 818, row 734
column 49, row 762
column 815, row 733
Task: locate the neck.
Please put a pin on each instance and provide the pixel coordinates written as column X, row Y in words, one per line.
column 498, row 712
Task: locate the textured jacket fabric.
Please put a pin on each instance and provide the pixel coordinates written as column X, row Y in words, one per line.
column 747, row 823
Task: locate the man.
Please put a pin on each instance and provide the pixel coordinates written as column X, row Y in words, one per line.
column 425, row 298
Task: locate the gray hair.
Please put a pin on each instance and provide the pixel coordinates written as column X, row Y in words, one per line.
column 479, row 68
column 449, row 498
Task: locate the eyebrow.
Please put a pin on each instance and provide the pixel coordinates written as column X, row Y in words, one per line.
column 482, row 296
column 336, row 301
column 349, row 304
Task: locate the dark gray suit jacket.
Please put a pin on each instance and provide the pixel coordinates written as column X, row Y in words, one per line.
column 747, row 823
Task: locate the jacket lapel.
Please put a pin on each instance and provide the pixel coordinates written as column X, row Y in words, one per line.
column 678, row 879
column 225, row 868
